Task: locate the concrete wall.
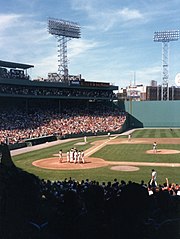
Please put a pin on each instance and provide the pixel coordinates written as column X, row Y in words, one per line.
column 153, row 113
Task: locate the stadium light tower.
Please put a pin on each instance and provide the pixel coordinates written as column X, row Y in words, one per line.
column 165, row 37
column 63, row 31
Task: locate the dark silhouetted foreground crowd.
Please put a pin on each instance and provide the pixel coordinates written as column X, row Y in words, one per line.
column 31, row 208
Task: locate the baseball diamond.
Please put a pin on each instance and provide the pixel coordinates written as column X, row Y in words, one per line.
column 91, row 162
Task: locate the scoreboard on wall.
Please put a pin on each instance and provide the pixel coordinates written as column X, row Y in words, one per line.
column 133, row 94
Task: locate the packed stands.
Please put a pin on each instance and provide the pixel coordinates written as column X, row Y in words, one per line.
column 20, row 90
column 17, row 126
column 12, row 70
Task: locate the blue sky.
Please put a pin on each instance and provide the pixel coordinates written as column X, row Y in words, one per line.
column 116, row 38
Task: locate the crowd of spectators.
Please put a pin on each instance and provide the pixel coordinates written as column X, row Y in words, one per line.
column 13, row 74
column 55, row 91
column 17, row 126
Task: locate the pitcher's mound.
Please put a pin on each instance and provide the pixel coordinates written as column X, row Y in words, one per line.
column 163, row 151
column 53, row 163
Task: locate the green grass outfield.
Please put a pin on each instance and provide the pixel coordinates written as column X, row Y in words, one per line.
column 120, row 152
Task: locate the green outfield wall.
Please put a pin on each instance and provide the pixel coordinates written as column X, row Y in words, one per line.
column 153, row 113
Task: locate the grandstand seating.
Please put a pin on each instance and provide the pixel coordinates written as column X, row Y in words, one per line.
column 17, row 126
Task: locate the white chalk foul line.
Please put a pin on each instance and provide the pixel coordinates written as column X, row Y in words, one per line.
column 100, row 146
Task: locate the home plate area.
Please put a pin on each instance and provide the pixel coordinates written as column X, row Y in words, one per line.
column 124, row 168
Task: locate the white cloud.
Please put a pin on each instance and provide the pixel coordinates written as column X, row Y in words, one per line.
column 128, row 14
column 80, row 46
column 107, row 18
column 119, row 16
column 8, row 20
column 45, row 65
column 49, row 63
column 145, row 75
column 23, row 39
column 83, row 5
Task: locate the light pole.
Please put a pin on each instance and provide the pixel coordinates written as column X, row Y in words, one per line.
column 165, row 37
column 63, row 31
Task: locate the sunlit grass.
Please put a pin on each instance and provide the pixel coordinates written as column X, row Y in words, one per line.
column 137, row 153
column 157, row 133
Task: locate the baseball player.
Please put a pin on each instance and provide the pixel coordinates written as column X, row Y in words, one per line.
column 60, row 156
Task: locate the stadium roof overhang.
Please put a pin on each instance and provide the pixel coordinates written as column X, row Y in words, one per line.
column 14, row 65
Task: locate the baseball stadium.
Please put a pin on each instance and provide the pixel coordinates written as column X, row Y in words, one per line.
column 77, row 162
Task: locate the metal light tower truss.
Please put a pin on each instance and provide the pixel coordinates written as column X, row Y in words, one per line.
column 165, row 37
column 63, row 31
